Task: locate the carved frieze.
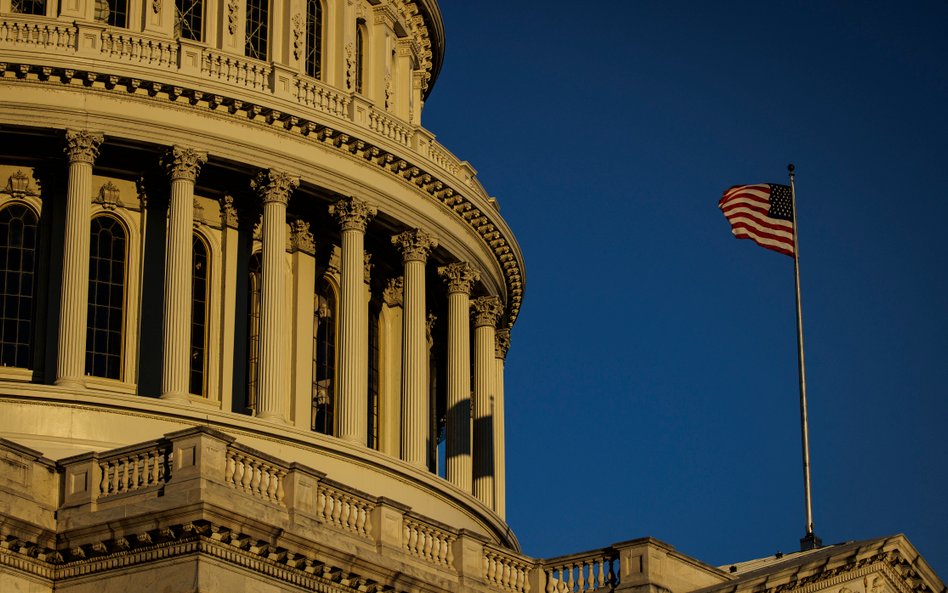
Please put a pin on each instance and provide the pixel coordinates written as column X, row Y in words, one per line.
column 415, row 245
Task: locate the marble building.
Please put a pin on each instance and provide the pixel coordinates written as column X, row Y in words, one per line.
column 255, row 317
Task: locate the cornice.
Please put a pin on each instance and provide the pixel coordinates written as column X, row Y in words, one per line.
column 405, row 164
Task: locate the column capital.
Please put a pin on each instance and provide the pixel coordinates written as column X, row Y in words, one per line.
column 415, row 244
column 82, row 146
column 301, row 239
column 486, row 310
column 460, row 277
column 184, row 163
column 392, row 294
column 353, row 214
column 275, row 186
column 502, row 343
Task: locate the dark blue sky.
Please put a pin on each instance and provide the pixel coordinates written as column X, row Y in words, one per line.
column 652, row 379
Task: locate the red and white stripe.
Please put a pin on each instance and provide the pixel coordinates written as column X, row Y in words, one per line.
column 746, row 207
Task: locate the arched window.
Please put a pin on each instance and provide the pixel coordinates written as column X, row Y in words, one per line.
column 257, row 29
column 324, row 357
column 189, row 19
column 199, row 292
column 254, row 267
column 106, row 319
column 18, row 226
column 314, row 38
column 360, row 56
column 373, row 395
column 112, row 12
column 28, row 6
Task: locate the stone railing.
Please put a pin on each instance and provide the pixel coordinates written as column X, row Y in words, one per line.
column 387, row 126
column 321, row 97
column 134, row 470
column 254, row 475
column 235, row 69
column 122, row 45
column 580, row 573
column 344, row 511
column 506, row 571
column 427, row 542
column 53, row 36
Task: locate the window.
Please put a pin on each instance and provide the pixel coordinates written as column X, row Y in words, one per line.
column 257, row 20
column 254, row 267
column 199, row 276
column 107, row 255
column 314, row 38
column 324, row 358
column 28, row 6
column 373, row 399
column 360, row 56
column 18, row 229
column 112, row 12
column 188, row 19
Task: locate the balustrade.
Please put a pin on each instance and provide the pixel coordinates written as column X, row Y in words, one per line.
column 45, row 35
column 591, row 571
column 134, row 48
column 133, row 471
column 428, row 543
column 388, row 127
column 344, row 511
column 314, row 94
column 254, row 476
column 506, row 571
column 236, row 70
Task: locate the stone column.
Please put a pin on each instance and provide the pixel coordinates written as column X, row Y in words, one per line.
column 460, row 278
column 501, row 345
column 274, row 188
column 184, row 165
column 352, row 373
column 82, row 147
column 415, row 246
column 487, row 311
column 303, row 264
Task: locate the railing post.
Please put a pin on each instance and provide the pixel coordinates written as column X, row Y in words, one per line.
column 387, row 524
column 536, row 579
column 197, row 454
column 82, row 480
column 301, row 493
column 469, row 558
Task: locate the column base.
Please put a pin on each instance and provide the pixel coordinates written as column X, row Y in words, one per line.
column 271, row 417
column 176, row 397
column 71, row 382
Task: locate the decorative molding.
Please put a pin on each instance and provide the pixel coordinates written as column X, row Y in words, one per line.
column 393, row 293
column 502, row 342
column 275, row 186
column 108, row 196
column 353, row 214
column 367, row 266
column 300, row 238
column 297, row 35
column 415, row 245
column 184, row 163
column 229, row 211
column 486, row 310
column 232, row 16
column 429, row 328
column 82, row 146
column 459, row 276
column 19, row 186
column 334, row 265
column 350, row 65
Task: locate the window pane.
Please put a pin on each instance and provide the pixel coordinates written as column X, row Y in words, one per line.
column 106, row 298
column 199, row 269
column 189, row 17
column 314, row 38
column 257, row 21
column 18, row 225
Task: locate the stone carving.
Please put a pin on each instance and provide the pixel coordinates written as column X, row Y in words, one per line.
column 460, row 277
column 389, row 91
column 502, row 342
column 156, row 6
column 352, row 214
column 367, row 266
column 429, row 328
column 108, row 196
column 232, row 16
column 350, row 65
column 335, row 260
column 18, row 186
column 229, row 211
column 184, row 163
column 82, row 146
column 297, row 35
column 392, row 294
column 300, row 238
column 415, row 244
column 275, row 186
column 486, row 310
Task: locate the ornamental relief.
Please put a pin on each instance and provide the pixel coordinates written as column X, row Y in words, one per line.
column 19, row 186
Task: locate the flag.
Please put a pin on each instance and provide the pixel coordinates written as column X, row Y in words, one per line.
column 762, row 212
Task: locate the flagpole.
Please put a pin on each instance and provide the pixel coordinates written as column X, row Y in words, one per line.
column 810, row 540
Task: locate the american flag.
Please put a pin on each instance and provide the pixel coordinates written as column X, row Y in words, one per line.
column 762, row 212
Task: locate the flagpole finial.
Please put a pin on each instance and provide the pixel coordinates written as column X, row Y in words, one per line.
column 791, row 168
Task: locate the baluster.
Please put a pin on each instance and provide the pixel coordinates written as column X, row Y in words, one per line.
column 406, row 536
column 570, row 586
column 247, row 476
column 229, row 468
column 257, row 475
column 428, row 543
column 449, row 548
column 279, row 489
column 336, row 509
column 321, row 503
column 601, row 581
column 413, row 540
